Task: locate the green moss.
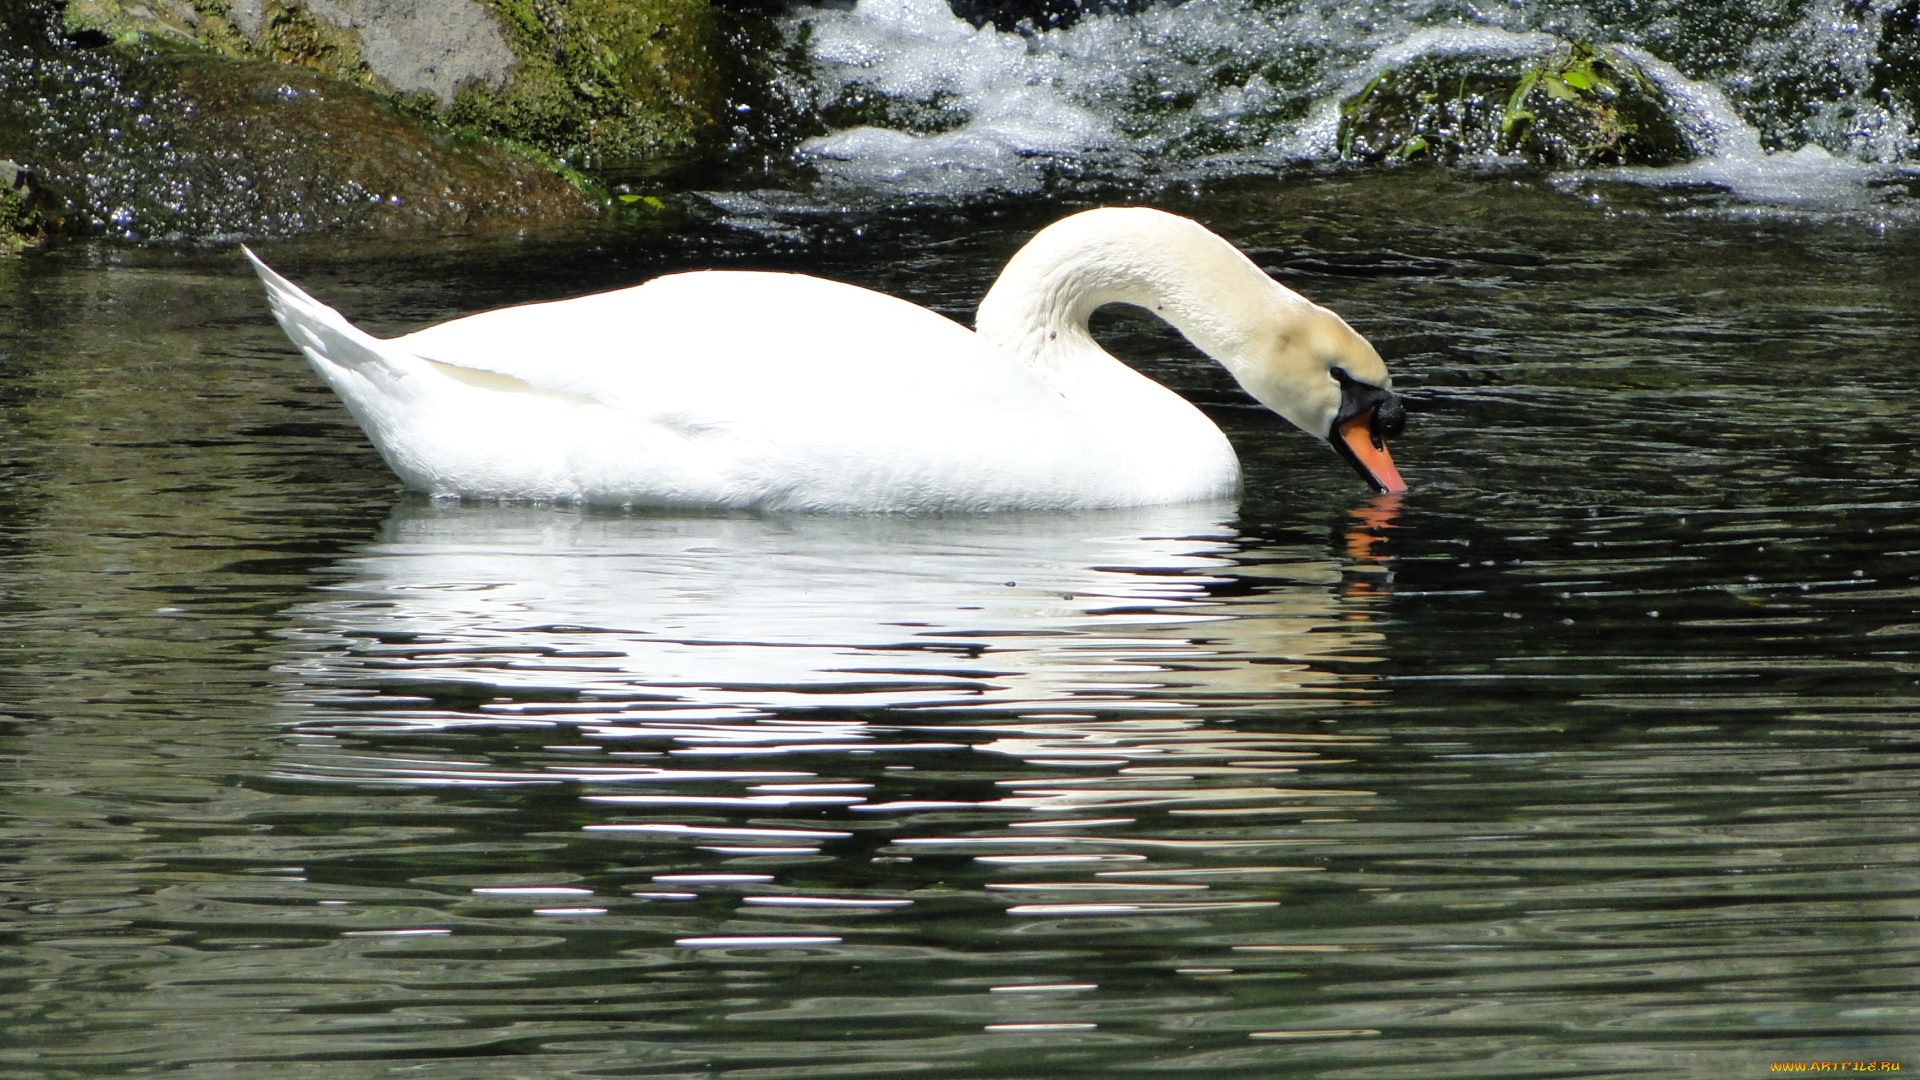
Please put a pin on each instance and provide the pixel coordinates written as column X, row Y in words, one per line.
column 195, row 25
column 12, row 239
column 582, row 183
column 22, row 225
column 605, row 82
column 1579, row 107
column 289, row 34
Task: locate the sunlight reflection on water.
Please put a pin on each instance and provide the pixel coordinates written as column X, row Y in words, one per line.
column 637, row 622
column 1594, row 756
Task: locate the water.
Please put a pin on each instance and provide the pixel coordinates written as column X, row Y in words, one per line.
column 1802, row 102
column 1593, row 754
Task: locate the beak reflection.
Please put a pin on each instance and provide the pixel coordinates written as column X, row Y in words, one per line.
column 1370, row 524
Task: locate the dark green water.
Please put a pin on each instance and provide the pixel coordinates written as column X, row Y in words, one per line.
column 1593, row 755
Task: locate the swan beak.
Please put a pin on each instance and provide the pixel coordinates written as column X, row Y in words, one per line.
column 1357, row 443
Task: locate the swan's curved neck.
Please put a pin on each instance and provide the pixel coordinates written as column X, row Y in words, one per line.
column 1171, row 266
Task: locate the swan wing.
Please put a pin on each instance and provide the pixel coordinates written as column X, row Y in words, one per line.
column 733, row 346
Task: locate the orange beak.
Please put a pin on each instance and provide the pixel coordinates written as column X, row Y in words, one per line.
column 1368, row 454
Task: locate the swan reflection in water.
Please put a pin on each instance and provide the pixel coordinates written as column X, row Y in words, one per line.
column 587, row 617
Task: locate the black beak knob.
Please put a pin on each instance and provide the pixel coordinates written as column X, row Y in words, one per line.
column 1389, row 417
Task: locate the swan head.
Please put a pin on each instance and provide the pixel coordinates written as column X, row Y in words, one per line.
column 1294, row 356
column 1305, row 363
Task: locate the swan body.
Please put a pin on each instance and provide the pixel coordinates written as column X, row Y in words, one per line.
column 748, row 390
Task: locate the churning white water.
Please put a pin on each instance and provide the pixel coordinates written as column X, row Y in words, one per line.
column 923, row 103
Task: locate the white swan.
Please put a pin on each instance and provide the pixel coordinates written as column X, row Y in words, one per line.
column 730, row 389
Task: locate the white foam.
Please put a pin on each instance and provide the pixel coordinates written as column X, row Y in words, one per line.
column 1000, row 148
column 1731, row 155
column 1487, row 41
column 1211, row 85
column 918, row 50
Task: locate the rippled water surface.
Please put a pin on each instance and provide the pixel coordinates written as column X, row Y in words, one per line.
column 1594, row 754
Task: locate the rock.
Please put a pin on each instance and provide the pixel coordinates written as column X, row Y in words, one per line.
column 1581, row 106
column 247, row 16
column 192, row 144
column 195, row 118
column 23, row 220
column 424, row 46
column 607, row 83
column 177, row 22
column 585, row 82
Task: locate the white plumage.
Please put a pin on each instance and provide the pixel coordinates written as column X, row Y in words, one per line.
column 727, row 389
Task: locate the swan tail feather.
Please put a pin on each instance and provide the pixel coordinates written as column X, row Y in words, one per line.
column 323, row 334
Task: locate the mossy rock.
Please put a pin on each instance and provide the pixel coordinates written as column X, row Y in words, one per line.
column 1582, row 106
column 190, row 118
column 183, row 145
column 590, row 83
column 26, row 219
column 606, row 83
column 199, row 25
column 342, row 157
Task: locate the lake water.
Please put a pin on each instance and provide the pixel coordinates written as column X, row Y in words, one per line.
column 1594, row 754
